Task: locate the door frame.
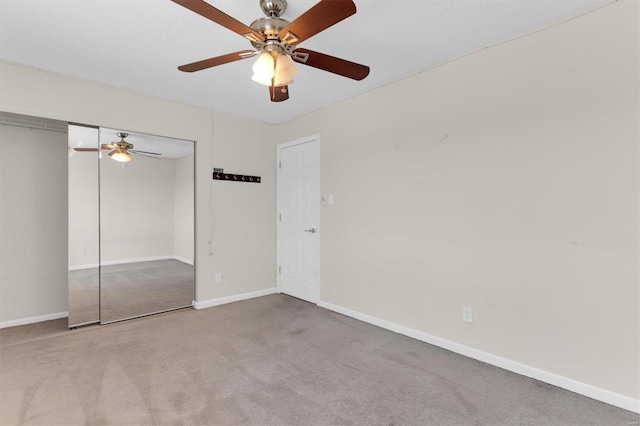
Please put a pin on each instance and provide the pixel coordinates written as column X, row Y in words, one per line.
column 279, row 148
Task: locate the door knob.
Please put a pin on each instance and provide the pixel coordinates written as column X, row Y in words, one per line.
column 312, row 230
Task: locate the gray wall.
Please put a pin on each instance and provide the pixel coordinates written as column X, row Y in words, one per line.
column 506, row 181
column 33, row 222
column 183, row 227
column 136, row 208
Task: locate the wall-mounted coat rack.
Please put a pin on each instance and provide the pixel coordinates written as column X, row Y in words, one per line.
column 218, row 174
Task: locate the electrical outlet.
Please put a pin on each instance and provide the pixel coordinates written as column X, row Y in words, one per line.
column 218, row 278
column 467, row 315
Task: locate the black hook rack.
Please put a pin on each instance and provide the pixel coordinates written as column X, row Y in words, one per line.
column 218, row 174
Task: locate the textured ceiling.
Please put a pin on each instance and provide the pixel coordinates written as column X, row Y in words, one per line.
column 137, row 45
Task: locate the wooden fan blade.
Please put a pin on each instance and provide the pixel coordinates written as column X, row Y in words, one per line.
column 86, row 149
column 330, row 63
column 318, row 18
column 278, row 94
column 108, row 146
column 144, row 152
column 218, row 60
column 205, row 9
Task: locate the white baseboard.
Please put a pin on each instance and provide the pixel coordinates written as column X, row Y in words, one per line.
column 135, row 260
column 183, row 260
column 590, row 391
column 235, row 298
column 32, row 320
column 87, row 266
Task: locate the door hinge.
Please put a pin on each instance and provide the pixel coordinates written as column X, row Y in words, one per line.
column 279, row 269
column 279, row 217
column 279, row 164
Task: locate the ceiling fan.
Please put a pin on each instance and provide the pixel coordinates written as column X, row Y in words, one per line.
column 275, row 40
column 121, row 150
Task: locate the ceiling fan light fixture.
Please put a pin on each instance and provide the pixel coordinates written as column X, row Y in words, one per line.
column 274, row 68
column 121, row 155
column 285, row 71
column 263, row 69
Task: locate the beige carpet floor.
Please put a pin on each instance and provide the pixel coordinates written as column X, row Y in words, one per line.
column 11, row 335
column 270, row 360
column 129, row 290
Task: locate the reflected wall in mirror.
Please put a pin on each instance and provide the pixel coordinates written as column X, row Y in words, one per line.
column 84, row 249
column 146, row 225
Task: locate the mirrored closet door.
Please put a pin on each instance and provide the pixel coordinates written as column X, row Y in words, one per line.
column 146, row 225
column 84, row 226
column 143, row 235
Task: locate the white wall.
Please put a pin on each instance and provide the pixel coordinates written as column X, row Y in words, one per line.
column 183, row 218
column 33, row 222
column 506, row 181
column 237, row 218
column 136, row 208
column 247, row 256
column 83, row 211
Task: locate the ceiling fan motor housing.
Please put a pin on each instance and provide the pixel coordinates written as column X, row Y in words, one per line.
column 273, row 8
column 269, row 27
column 122, row 143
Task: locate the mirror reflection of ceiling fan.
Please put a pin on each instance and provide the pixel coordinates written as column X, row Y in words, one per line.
column 275, row 40
column 121, row 150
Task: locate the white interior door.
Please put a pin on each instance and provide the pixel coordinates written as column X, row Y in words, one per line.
column 299, row 219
